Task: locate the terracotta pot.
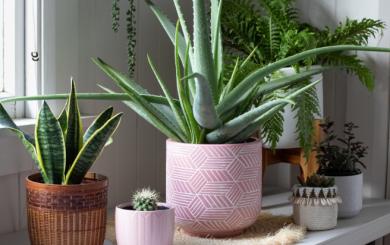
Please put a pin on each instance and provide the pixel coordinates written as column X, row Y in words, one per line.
column 144, row 227
column 215, row 189
column 67, row 214
column 315, row 208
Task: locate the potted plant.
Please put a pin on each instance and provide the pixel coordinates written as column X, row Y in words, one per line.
column 213, row 160
column 339, row 157
column 273, row 27
column 315, row 203
column 65, row 202
column 144, row 221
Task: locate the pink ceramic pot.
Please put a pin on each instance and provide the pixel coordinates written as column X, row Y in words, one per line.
column 215, row 189
column 144, row 227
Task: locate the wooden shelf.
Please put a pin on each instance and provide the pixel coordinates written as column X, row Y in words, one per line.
column 371, row 224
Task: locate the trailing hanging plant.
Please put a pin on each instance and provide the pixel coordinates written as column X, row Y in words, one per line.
column 274, row 29
column 340, row 156
column 210, row 108
column 60, row 149
column 131, row 31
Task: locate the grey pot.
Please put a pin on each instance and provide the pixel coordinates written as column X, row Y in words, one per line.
column 350, row 189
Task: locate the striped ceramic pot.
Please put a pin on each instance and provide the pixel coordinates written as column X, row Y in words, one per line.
column 215, row 189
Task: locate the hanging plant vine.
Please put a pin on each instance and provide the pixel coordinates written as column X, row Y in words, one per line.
column 131, row 31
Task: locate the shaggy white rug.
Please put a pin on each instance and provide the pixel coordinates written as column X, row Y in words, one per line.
column 268, row 230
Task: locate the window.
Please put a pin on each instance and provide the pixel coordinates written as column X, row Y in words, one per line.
column 12, row 52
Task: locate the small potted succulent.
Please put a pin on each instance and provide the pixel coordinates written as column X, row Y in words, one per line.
column 144, row 221
column 65, row 202
column 339, row 157
column 315, row 203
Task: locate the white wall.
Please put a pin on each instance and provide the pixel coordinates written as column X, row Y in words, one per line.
column 79, row 30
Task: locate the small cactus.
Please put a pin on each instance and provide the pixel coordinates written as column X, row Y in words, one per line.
column 318, row 181
column 145, row 200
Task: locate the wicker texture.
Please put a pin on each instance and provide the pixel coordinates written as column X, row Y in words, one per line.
column 67, row 215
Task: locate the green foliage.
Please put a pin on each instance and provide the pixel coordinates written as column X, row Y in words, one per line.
column 214, row 105
column 131, row 31
column 145, row 200
column 60, row 151
column 340, row 155
column 318, row 181
column 272, row 27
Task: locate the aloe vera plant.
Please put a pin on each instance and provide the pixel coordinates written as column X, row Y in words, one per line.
column 209, row 108
column 60, row 149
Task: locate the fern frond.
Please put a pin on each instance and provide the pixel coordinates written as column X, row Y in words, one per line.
column 272, row 129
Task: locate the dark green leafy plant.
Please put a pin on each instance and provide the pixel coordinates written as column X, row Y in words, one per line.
column 131, row 30
column 60, row 150
column 272, row 28
column 318, row 181
column 145, row 200
column 339, row 156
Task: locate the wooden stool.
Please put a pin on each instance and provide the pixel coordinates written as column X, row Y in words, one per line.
column 295, row 156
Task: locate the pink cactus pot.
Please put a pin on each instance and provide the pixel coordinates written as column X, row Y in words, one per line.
column 215, row 189
column 144, row 227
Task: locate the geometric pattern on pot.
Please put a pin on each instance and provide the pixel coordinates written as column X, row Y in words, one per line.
column 215, row 189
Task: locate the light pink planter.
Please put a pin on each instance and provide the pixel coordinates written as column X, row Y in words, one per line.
column 215, row 189
column 144, row 227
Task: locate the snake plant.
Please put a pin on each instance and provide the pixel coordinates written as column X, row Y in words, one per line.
column 209, row 108
column 60, row 149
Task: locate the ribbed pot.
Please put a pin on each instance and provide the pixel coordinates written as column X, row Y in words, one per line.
column 350, row 189
column 215, row 189
column 67, row 214
column 144, row 227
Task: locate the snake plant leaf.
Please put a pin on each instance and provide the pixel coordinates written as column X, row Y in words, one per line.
column 236, row 125
column 216, row 37
column 255, row 125
column 242, row 90
column 91, row 150
column 63, row 118
column 74, row 130
column 98, row 123
column 29, row 143
column 289, row 80
column 50, row 145
column 203, row 59
column 203, row 105
column 141, row 106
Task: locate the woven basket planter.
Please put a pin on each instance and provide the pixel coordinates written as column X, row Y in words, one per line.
column 67, row 214
column 315, row 208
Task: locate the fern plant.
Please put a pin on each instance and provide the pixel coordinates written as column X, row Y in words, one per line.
column 272, row 27
column 210, row 108
column 61, row 151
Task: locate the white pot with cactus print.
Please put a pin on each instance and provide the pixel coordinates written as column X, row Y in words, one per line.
column 289, row 138
column 315, row 208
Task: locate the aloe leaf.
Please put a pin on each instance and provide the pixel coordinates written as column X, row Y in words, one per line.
column 239, row 123
column 140, row 105
column 74, row 130
column 176, row 110
column 216, row 37
column 98, row 123
column 230, row 83
column 283, row 82
column 242, row 90
column 91, row 150
column 50, row 146
column 203, row 105
column 29, row 143
column 183, row 26
column 203, row 59
column 256, row 124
